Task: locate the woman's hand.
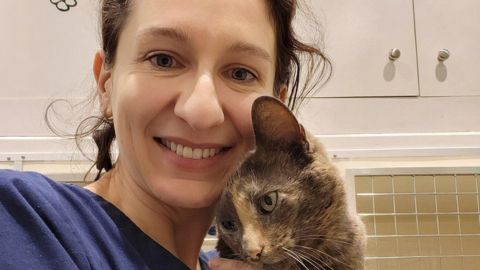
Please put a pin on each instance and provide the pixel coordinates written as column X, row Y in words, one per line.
column 225, row 264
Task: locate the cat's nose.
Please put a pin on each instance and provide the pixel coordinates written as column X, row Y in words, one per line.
column 255, row 254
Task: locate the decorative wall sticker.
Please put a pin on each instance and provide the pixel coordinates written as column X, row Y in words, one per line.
column 64, row 5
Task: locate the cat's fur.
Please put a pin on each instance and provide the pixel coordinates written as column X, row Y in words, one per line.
column 310, row 226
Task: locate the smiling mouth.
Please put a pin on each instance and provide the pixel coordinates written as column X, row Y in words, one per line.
column 189, row 152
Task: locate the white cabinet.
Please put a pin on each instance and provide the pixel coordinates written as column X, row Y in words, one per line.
column 454, row 26
column 360, row 33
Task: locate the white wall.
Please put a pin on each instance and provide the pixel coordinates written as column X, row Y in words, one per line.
column 46, row 54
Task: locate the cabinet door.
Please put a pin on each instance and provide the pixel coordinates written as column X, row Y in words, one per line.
column 454, row 26
column 359, row 35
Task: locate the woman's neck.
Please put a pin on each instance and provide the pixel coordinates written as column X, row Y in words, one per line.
column 180, row 231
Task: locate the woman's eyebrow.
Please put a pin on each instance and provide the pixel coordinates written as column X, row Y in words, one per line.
column 157, row 32
column 250, row 49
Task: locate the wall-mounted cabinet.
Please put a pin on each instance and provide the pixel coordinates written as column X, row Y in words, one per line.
column 455, row 27
column 361, row 34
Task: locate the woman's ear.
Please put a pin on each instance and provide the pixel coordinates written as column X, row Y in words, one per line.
column 283, row 93
column 102, row 75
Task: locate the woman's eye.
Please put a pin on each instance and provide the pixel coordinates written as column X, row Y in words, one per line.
column 268, row 202
column 242, row 74
column 163, row 60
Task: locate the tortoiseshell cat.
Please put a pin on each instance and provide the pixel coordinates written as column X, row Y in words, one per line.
column 285, row 207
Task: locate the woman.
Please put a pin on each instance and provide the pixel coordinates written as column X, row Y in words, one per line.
column 176, row 81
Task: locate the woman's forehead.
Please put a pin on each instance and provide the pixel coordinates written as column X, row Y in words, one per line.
column 246, row 21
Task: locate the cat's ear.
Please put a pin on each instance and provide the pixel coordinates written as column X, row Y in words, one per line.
column 273, row 121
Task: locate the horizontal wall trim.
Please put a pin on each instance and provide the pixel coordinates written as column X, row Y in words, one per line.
column 431, row 134
column 402, row 144
column 404, row 152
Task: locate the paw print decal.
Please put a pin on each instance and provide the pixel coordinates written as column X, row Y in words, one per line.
column 64, row 5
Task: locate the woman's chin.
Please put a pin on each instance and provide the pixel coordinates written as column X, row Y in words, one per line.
column 190, row 194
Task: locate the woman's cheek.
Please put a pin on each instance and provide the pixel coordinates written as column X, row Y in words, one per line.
column 239, row 107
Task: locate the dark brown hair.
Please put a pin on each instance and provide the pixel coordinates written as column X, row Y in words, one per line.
column 290, row 53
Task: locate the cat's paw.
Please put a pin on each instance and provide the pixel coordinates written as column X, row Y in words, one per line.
column 226, row 264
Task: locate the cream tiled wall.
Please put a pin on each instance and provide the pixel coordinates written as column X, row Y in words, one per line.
column 426, row 221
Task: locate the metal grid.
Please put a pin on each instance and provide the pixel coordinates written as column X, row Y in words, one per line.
column 420, row 220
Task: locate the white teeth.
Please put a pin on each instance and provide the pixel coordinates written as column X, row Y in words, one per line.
column 206, row 153
column 197, row 153
column 188, row 152
column 179, row 150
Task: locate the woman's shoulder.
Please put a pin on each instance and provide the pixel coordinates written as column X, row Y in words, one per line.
column 31, row 200
column 7, row 176
column 33, row 217
column 24, row 184
column 33, row 187
column 33, row 196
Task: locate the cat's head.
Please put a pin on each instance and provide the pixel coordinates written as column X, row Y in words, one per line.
column 275, row 200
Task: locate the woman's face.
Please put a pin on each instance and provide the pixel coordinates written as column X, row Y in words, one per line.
column 181, row 89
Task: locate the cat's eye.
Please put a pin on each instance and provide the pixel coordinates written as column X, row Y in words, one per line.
column 268, row 202
column 229, row 225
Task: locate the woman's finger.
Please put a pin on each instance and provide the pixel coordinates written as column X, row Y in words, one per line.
column 225, row 264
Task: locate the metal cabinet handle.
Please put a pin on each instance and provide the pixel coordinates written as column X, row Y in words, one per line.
column 443, row 55
column 394, row 54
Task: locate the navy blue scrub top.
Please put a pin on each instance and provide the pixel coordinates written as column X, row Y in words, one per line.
column 47, row 225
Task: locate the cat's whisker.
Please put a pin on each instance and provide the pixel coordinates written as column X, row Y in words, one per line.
column 318, row 257
column 312, row 260
column 296, row 259
column 339, row 261
column 322, row 253
column 293, row 255
column 336, row 242
column 312, row 254
column 291, row 263
column 306, row 229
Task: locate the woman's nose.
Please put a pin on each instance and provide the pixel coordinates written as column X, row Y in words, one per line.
column 200, row 107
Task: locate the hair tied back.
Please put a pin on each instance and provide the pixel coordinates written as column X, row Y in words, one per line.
column 103, row 138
